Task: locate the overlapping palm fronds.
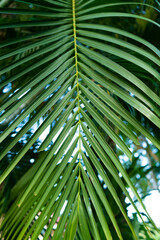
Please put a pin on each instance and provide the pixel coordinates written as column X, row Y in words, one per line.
column 74, row 74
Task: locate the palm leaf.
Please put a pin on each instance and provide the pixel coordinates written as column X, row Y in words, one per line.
column 72, row 79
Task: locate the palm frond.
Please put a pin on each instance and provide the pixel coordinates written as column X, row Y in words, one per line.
column 73, row 80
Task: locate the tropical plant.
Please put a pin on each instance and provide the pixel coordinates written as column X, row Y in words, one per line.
column 78, row 77
column 143, row 234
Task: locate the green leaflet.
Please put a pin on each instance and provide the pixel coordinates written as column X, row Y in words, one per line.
column 51, row 3
column 45, row 4
column 34, row 24
column 84, row 4
column 113, row 5
column 37, row 13
column 114, row 14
